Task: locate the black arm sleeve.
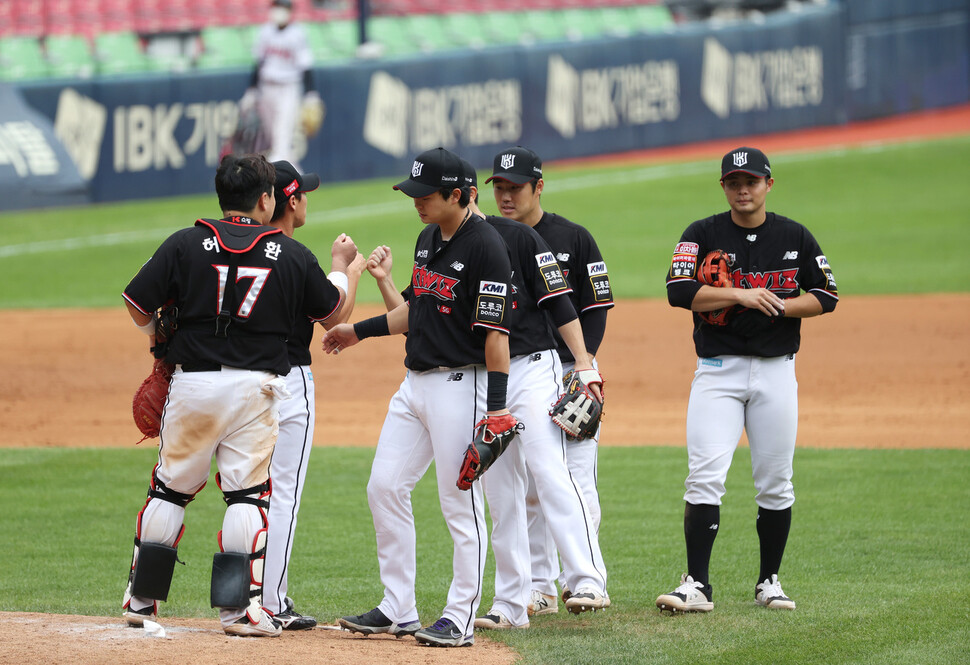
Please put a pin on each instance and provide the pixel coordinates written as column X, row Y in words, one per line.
column 681, row 293
column 307, row 81
column 561, row 310
column 594, row 327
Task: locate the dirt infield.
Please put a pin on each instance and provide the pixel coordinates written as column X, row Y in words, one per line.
column 862, row 384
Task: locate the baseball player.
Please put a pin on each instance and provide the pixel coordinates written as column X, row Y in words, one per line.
column 281, row 80
column 455, row 314
column 517, row 185
column 745, row 377
column 239, row 287
column 534, row 382
column 297, row 414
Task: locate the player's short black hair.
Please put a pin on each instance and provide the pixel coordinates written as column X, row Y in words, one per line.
column 466, row 194
column 242, row 179
column 281, row 200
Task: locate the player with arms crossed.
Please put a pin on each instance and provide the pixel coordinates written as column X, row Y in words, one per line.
column 297, row 414
column 750, row 277
column 517, row 184
column 239, row 287
column 458, row 364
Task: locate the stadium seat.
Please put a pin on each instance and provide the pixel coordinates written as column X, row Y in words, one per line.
column 343, row 36
column 649, row 18
column 582, row 23
column 225, row 47
column 503, row 27
column 544, row 25
column 466, row 28
column 431, row 33
column 120, row 53
column 392, row 33
column 70, row 56
column 21, row 58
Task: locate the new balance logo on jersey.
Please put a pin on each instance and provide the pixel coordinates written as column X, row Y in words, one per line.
column 458, row 266
column 563, row 256
column 535, row 357
column 713, row 527
column 790, row 256
column 752, row 237
column 455, row 376
column 422, row 254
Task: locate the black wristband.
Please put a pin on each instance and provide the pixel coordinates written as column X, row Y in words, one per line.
column 376, row 326
column 498, row 385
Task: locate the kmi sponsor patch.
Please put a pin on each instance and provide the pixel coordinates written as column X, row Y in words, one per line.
column 600, row 281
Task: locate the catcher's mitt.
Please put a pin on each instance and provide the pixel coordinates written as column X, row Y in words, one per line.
column 149, row 399
column 312, row 113
column 715, row 271
column 577, row 411
column 493, row 434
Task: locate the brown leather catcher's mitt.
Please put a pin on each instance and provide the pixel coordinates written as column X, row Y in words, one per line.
column 715, row 271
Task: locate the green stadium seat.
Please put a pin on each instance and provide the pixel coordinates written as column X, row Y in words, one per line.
column 69, row 56
column 431, row 33
column 329, row 42
column 504, row 27
column 225, row 47
column 613, row 22
column 466, row 29
column 583, row 23
column 392, row 33
column 649, row 18
column 544, row 25
column 21, row 58
column 343, row 36
column 120, row 53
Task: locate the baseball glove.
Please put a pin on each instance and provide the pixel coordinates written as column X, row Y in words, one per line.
column 149, row 399
column 166, row 323
column 715, row 271
column 577, row 411
column 312, row 113
column 493, row 434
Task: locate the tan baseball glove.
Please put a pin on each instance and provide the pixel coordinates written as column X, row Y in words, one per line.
column 312, row 113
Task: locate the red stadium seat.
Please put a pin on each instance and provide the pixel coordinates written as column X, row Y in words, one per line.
column 27, row 19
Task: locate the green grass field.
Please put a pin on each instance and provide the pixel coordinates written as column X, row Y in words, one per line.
column 877, row 560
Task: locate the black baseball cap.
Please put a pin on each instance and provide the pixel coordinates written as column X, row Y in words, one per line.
column 289, row 181
column 432, row 170
column 745, row 160
column 469, row 174
column 518, row 165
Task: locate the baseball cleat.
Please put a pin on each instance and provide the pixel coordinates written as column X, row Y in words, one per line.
column 587, row 599
column 495, row 620
column 243, row 627
column 541, row 603
column 290, row 619
column 769, row 594
column 443, row 633
column 690, row 596
column 566, row 593
column 374, row 622
column 137, row 618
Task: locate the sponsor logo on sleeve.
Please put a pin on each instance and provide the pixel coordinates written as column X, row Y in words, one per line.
column 493, row 288
column 545, row 259
column 555, row 281
column 491, row 309
column 822, row 261
column 687, row 248
column 598, row 268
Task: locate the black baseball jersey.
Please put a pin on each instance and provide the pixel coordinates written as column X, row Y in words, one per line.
column 276, row 281
column 536, row 276
column 459, row 289
column 582, row 265
column 780, row 255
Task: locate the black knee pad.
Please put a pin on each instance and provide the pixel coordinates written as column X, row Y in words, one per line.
column 230, row 580
column 153, row 571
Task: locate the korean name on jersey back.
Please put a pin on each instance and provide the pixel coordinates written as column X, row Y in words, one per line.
column 600, row 281
column 551, row 273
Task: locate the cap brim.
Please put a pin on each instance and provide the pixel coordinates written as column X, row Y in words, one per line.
column 754, row 173
column 415, row 189
column 515, row 178
column 310, row 182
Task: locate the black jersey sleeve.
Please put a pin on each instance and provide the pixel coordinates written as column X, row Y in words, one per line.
column 681, row 284
column 320, row 297
column 494, row 275
column 819, row 280
column 593, row 281
column 539, row 265
column 150, row 288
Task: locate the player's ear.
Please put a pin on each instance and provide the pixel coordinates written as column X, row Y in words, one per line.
column 770, row 182
column 539, row 184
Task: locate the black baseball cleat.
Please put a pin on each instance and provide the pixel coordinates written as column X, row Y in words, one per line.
column 293, row 620
column 373, row 622
column 443, row 633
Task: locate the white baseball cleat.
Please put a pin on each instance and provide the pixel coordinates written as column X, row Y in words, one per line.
column 769, row 594
column 690, row 596
column 266, row 627
column 137, row 618
column 587, row 599
column 542, row 603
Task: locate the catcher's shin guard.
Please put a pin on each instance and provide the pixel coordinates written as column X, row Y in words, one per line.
column 237, row 577
column 152, row 575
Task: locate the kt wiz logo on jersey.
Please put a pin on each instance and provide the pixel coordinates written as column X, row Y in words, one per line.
column 428, row 282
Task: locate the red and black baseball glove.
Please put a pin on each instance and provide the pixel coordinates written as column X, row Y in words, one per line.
column 715, row 270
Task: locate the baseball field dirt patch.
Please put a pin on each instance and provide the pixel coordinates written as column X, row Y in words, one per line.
column 863, row 384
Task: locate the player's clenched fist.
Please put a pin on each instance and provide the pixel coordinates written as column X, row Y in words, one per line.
column 339, row 337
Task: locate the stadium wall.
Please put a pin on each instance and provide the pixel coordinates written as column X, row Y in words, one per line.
column 163, row 135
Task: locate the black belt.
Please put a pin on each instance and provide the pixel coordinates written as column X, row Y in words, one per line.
column 201, row 366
